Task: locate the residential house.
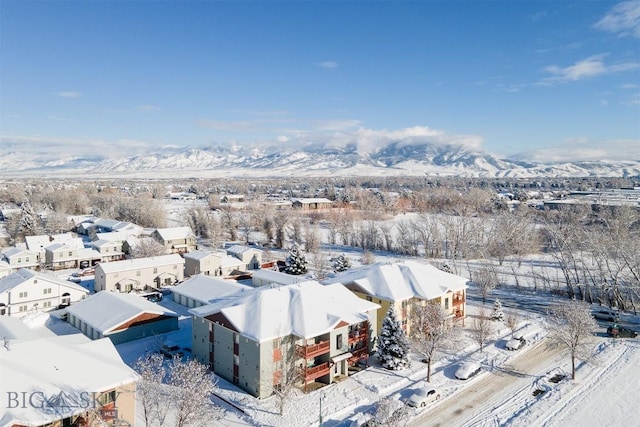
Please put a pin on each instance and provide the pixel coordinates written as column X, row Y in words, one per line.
column 109, row 250
column 139, row 273
column 5, row 268
column 65, row 380
column 39, row 243
column 201, row 290
column 312, row 203
column 25, row 291
column 251, row 257
column 264, row 277
column 211, row 263
column 402, row 284
column 120, row 317
column 21, row 258
column 242, row 337
column 60, row 256
column 176, row 239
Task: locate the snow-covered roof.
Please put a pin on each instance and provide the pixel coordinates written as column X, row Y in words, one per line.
column 238, row 250
column 13, row 328
column 305, row 310
column 53, row 365
column 88, row 253
column 137, row 263
column 17, row 251
column 102, row 242
column 229, row 261
column 20, row 276
column 105, row 311
column 113, row 236
column 401, row 281
column 38, row 243
column 205, row 289
column 174, row 233
column 311, row 200
column 58, row 246
column 273, row 276
column 199, row 254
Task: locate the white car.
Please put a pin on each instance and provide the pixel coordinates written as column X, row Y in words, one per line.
column 467, row 370
column 421, row 397
column 515, row 343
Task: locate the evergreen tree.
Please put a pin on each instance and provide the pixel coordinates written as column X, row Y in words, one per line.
column 497, row 313
column 393, row 346
column 29, row 220
column 296, row 261
column 341, row 263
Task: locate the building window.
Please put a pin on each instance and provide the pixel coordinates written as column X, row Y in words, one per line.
column 22, row 308
column 47, row 304
column 47, row 290
column 339, row 341
column 369, row 298
column 19, row 260
column 26, row 259
column 446, row 303
column 128, row 288
column 23, row 294
column 138, row 273
column 155, row 270
column 70, row 253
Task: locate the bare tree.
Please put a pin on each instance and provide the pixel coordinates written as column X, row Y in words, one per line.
column 481, row 330
column 287, row 375
column 430, row 332
column 182, row 389
column 312, row 239
column 368, row 258
column 511, row 320
column 572, row 326
column 193, row 386
column 146, row 247
column 151, row 393
column 486, row 279
column 321, row 265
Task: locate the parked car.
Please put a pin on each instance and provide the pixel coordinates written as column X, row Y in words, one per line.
column 606, row 315
column 421, row 397
column 152, row 296
column 620, row 332
column 171, row 350
column 515, row 343
column 467, row 370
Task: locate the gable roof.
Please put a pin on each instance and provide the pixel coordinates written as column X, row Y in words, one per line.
column 57, row 364
column 106, row 311
column 174, row 233
column 305, row 310
column 138, row 263
column 401, row 281
column 11, row 252
column 200, row 254
column 238, row 250
column 38, row 243
column 22, row 275
column 205, row 289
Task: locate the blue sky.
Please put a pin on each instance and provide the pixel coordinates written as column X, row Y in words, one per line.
column 552, row 79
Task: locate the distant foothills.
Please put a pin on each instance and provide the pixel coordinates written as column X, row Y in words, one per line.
column 395, row 159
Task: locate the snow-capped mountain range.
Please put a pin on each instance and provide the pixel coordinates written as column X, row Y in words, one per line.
column 394, row 159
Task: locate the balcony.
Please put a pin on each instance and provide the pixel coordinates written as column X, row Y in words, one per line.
column 358, row 355
column 309, row 351
column 360, row 334
column 317, row 371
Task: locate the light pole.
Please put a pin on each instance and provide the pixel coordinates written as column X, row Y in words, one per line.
column 322, row 396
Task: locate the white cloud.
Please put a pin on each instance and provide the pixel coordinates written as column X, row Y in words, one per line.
column 590, row 67
column 583, row 149
column 328, row 64
column 68, row 94
column 623, row 19
column 44, row 148
column 368, row 140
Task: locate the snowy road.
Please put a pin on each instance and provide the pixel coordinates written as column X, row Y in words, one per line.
column 475, row 404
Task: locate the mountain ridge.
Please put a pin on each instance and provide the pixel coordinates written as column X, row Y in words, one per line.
column 393, row 159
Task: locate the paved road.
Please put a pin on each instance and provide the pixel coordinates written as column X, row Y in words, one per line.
column 466, row 406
